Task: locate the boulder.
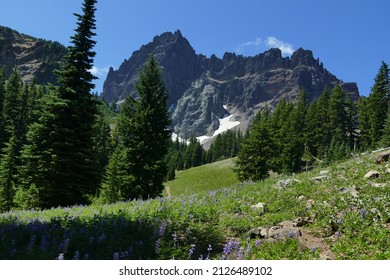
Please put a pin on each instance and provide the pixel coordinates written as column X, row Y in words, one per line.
column 352, row 191
column 278, row 232
column 260, row 208
column 324, row 172
column 382, row 157
column 309, row 203
column 319, row 178
column 371, row 174
column 286, row 183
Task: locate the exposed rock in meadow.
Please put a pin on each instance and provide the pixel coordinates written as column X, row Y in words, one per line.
column 371, row 174
column 260, row 208
column 320, row 178
column 286, row 183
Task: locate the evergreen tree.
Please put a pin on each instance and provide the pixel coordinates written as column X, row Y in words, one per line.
column 342, row 124
column 364, row 126
column 292, row 135
column 257, row 151
column 8, row 172
column 61, row 141
column 143, row 131
column 2, row 96
column 115, row 186
column 378, row 103
column 12, row 105
column 385, row 141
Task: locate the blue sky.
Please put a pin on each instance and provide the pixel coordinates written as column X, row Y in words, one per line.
column 350, row 37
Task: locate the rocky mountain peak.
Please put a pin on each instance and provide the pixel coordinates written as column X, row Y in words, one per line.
column 303, row 57
column 172, row 51
column 202, row 90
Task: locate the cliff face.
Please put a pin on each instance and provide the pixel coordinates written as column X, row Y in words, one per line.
column 203, row 90
column 35, row 58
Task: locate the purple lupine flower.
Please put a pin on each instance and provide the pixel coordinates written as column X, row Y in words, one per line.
column 337, row 233
column 161, row 229
column 31, row 243
column 43, row 246
column 230, row 246
column 240, row 254
column 313, row 249
column 362, row 213
column 116, row 256
column 339, row 221
column 191, row 250
column 158, row 246
column 248, row 249
column 174, row 236
column 61, row 257
column 258, row 242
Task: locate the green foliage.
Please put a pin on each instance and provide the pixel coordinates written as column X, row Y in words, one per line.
column 143, row 137
column 378, row 103
column 257, row 151
column 217, row 224
column 59, row 158
column 210, row 176
column 385, row 141
column 8, row 172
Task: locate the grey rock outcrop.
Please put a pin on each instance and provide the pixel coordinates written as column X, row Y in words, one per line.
column 35, row 58
column 200, row 88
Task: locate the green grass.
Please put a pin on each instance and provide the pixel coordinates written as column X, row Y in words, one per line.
column 204, row 178
column 215, row 216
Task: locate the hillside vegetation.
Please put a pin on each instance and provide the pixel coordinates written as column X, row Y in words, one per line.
column 341, row 215
column 203, row 178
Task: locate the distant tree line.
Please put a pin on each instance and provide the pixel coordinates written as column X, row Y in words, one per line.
column 186, row 154
column 327, row 129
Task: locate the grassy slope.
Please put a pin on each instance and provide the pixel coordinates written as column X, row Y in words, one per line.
column 203, row 178
column 349, row 218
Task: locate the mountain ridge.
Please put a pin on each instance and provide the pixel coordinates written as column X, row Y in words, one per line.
column 36, row 59
column 203, row 89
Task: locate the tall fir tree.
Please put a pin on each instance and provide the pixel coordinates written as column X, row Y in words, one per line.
column 364, row 126
column 385, row 140
column 8, row 173
column 2, row 96
column 67, row 173
column 293, row 141
column 144, row 135
column 378, row 103
column 257, row 152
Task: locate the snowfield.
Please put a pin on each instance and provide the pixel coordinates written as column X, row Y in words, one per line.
column 224, row 124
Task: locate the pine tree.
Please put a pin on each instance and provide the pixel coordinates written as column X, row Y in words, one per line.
column 364, row 126
column 143, row 132
column 255, row 158
column 116, row 182
column 2, row 93
column 8, row 172
column 293, row 141
column 385, row 141
column 61, row 141
column 378, row 103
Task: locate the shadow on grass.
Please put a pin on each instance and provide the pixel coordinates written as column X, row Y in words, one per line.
column 105, row 237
